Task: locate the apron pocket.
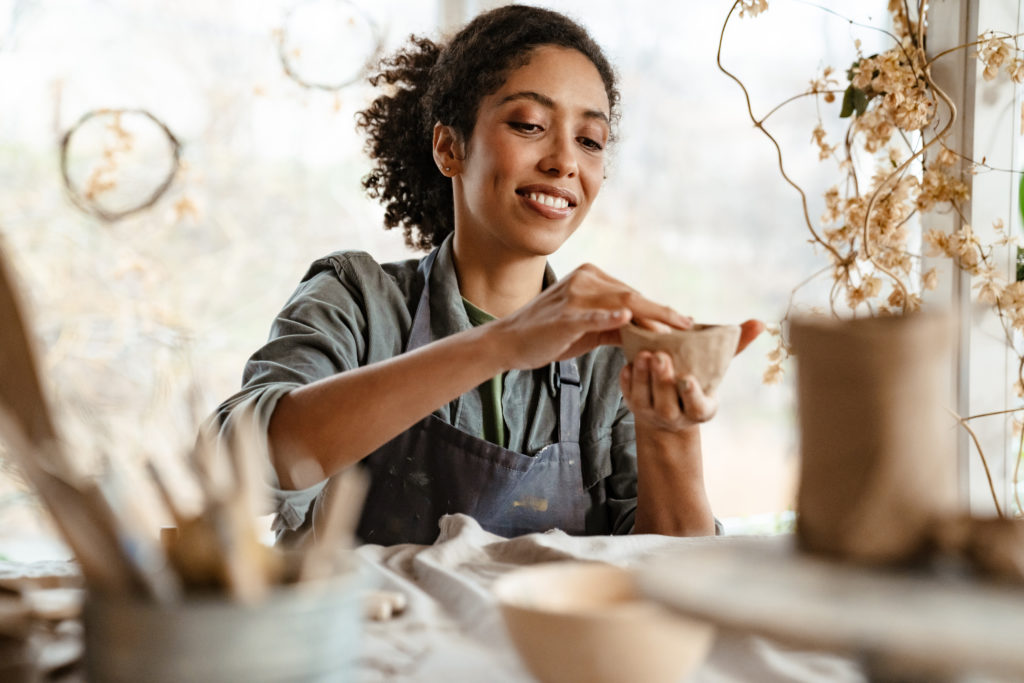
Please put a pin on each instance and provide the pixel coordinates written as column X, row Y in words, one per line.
column 596, row 460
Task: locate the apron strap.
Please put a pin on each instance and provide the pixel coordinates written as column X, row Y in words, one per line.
column 568, row 401
column 568, row 375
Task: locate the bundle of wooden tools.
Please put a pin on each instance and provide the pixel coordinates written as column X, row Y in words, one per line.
column 216, row 547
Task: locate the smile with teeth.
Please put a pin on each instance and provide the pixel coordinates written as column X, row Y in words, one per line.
column 548, row 200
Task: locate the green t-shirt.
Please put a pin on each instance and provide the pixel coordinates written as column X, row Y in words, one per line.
column 490, row 391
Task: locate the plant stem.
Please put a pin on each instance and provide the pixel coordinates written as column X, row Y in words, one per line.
column 984, row 462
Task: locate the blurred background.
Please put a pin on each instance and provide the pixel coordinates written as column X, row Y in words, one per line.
column 155, row 263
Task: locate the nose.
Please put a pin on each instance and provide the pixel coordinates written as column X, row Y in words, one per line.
column 559, row 159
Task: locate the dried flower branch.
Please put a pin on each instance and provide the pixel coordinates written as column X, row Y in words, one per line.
column 892, row 102
column 984, row 462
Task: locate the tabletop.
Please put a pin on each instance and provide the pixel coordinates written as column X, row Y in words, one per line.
column 452, row 629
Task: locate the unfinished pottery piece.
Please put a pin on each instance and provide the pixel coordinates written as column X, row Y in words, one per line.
column 878, row 459
column 585, row 622
column 991, row 546
column 703, row 351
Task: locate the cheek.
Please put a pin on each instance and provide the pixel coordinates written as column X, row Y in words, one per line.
column 593, row 178
column 495, row 166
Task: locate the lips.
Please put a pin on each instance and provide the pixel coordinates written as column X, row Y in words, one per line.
column 557, row 198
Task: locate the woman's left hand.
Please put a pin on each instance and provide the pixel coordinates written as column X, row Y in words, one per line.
column 659, row 401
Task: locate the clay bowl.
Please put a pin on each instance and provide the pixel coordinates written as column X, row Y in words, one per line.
column 703, row 351
column 584, row 622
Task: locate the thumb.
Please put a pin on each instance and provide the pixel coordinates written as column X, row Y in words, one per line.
column 749, row 331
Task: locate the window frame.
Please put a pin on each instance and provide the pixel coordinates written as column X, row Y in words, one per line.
column 984, row 363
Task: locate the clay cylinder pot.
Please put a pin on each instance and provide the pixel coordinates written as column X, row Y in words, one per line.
column 877, row 445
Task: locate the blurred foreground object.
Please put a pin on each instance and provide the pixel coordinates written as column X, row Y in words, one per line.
column 878, row 458
column 901, row 625
column 585, row 622
column 307, row 631
column 21, row 392
column 202, row 602
column 37, row 614
column 992, row 547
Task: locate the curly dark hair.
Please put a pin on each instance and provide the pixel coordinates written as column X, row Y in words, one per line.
column 429, row 83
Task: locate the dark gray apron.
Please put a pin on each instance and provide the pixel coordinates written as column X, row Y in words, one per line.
column 433, row 469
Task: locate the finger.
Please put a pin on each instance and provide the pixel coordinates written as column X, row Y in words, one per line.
column 626, row 381
column 640, row 391
column 651, row 312
column 664, row 393
column 601, row 291
column 749, row 331
column 600, row 319
column 590, row 329
column 654, row 325
column 698, row 406
column 596, row 272
column 589, row 341
column 640, row 307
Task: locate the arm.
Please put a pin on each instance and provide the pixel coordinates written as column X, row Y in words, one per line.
column 323, row 427
column 338, row 420
column 671, row 497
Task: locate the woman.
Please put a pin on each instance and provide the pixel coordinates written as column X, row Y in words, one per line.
column 472, row 381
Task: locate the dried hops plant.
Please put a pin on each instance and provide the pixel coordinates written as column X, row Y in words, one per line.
column 893, row 163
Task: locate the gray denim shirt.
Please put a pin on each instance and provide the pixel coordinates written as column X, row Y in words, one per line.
column 349, row 311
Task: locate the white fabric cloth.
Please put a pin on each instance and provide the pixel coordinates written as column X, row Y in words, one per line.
column 452, row 630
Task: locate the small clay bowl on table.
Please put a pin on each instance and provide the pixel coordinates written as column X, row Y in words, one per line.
column 585, row 622
column 703, row 351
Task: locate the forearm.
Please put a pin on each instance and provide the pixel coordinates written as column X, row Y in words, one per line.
column 335, row 422
column 671, row 498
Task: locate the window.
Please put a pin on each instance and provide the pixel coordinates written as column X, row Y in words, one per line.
column 133, row 313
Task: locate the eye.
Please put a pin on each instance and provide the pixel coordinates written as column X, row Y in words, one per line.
column 524, row 127
column 590, row 143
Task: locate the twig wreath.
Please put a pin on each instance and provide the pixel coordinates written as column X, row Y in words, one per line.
column 891, row 102
column 101, row 178
column 358, row 19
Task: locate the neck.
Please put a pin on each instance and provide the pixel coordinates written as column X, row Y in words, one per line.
column 492, row 280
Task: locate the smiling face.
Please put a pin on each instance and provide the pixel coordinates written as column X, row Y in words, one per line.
column 534, row 163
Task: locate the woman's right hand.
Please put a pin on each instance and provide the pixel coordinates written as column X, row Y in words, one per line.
column 581, row 311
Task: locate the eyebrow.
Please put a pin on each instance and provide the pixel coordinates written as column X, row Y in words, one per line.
column 546, row 101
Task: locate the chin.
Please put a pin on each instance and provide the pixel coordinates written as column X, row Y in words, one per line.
column 546, row 239
column 547, row 244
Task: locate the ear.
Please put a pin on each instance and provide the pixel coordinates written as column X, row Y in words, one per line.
column 447, row 150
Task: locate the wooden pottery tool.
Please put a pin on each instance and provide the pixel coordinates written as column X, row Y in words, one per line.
column 21, row 392
column 333, row 531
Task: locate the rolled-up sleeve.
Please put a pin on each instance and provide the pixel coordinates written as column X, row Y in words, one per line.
column 250, row 410
column 318, row 333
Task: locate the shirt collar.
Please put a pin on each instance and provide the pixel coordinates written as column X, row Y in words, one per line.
column 447, row 312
